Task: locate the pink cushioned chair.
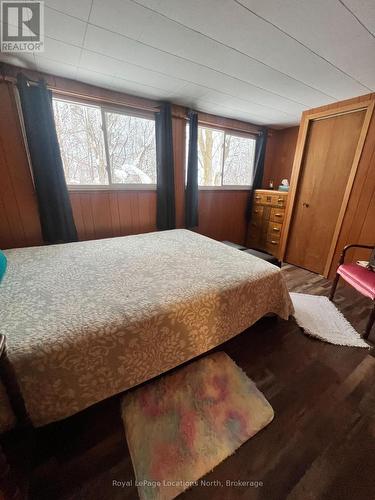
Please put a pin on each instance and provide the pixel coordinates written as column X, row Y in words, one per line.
column 360, row 278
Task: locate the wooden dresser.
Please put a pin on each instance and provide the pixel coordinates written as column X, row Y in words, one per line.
column 267, row 220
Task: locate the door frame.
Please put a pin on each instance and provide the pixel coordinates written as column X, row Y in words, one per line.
column 307, row 118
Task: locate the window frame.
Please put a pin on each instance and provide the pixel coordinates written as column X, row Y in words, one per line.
column 228, row 187
column 109, row 108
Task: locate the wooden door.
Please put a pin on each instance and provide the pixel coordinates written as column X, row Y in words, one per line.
column 328, row 157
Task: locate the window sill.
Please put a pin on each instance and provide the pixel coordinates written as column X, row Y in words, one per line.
column 224, row 188
column 146, row 187
column 112, row 187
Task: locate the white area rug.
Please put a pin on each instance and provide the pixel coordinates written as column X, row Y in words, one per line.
column 320, row 318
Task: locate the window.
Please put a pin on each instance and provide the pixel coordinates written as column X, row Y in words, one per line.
column 132, row 150
column 224, row 159
column 100, row 146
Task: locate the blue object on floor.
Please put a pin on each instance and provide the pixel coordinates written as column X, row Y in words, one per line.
column 3, row 264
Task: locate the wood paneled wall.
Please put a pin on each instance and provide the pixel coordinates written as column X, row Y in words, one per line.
column 106, row 213
column 281, row 146
column 222, row 215
column 19, row 218
column 179, row 154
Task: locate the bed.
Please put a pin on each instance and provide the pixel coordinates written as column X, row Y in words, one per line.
column 88, row 320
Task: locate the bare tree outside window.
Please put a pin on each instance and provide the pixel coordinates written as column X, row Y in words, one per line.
column 79, row 130
column 239, row 153
column 132, row 149
column 224, row 159
column 210, row 156
column 84, row 131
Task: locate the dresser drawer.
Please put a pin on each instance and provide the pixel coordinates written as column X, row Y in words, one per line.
column 274, row 231
column 277, row 215
column 272, row 199
column 272, row 247
column 279, row 200
column 258, row 198
column 263, row 198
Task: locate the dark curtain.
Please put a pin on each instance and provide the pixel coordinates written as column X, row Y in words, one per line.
column 260, row 153
column 191, row 193
column 166, row 213
column 53, row 199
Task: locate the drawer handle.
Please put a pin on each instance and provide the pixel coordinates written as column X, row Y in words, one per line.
column 280, row 199
column 276, row 229
column 257, row 197
column 274, row 242
column 278, row 215
column 256, row 211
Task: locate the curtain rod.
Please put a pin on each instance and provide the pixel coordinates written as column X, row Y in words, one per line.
column 106, row 100
column 243, row 130
column 152, row 109
column 212, row 124
column 86, row 97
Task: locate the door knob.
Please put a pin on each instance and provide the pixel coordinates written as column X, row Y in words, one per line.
column 306, row 205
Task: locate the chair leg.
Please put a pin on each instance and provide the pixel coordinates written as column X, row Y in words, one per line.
column 369, row 323
column 334, row 286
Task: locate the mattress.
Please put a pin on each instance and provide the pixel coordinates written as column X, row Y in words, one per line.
column 88, row 320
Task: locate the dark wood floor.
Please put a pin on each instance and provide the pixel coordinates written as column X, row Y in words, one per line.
column 321, row 444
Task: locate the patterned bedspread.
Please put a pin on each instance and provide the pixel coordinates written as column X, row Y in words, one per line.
column 88, row 320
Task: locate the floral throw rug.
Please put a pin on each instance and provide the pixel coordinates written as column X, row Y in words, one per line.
column 182, row 425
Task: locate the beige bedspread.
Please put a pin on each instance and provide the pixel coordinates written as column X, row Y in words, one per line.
column 88, row 320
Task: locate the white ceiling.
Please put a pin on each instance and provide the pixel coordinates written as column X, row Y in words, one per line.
column 262, row 61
